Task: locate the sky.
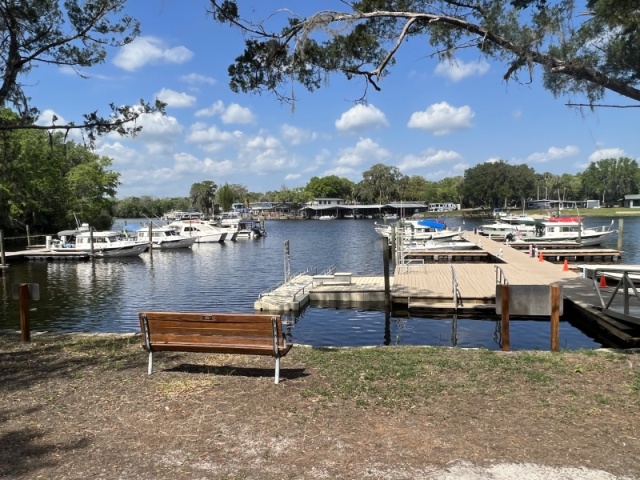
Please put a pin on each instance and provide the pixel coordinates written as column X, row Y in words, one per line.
column 430, row 119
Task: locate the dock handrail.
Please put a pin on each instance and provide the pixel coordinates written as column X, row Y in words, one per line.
column 457, row 297
column 501, row 277
column 627, row 283
column 306, row 271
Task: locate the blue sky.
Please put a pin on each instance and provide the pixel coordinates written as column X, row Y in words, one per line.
column 430, row 119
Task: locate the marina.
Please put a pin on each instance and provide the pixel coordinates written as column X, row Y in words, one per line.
column 343, row 305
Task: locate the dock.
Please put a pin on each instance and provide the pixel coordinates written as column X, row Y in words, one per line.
column 437, row 283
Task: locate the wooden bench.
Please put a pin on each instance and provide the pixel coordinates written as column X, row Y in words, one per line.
column 246, row 334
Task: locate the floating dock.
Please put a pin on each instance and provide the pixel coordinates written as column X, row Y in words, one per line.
column 435, row 283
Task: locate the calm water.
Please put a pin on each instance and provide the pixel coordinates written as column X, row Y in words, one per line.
column 105, row 295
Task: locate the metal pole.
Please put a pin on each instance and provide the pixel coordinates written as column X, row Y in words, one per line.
column 151, row 238
column 28, row 236
column 620, row 233
column 287, row 261
column 385, row 261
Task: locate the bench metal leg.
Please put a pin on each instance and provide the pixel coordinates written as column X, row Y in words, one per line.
column 150, row 362
column 277, row 369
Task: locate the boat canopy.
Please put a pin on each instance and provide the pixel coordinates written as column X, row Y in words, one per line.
column 431, row 224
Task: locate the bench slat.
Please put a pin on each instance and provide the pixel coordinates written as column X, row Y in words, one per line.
column 258, row 329
column 212, row 339
column 215, row 317
column 178, row 347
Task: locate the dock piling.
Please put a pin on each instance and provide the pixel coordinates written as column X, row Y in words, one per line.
column 504, row 321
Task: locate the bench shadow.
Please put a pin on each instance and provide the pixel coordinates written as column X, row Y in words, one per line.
column 285, row 373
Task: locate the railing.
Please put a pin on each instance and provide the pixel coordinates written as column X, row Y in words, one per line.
column 625, row 284
column 457, row 298
column 306, row 271
column 501, row 277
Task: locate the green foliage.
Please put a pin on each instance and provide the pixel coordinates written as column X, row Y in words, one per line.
column 225, row 197
column 585, row 54
column 45, row 181
column 380, row 184
column 611, row 179
column 330, row 187
column 203, row 195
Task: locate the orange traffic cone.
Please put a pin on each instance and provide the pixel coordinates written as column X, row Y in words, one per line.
column 565, row 266
column 603, row 281
column 540, row 257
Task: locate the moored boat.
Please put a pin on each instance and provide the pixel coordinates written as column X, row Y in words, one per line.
column 203, row 232
column 165, row 237
column 102, row 243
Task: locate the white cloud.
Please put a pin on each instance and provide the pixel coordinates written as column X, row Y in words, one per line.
column 366, row 150
column 428, row 158
column 187, row 163
column 234, row 113
column 606, row 153
column 196, row 78
column 264, row 154
column 292, row 176
column 553, row 153
column 211, row 138
column 49, row 117
column 149, row 50
column 456, row 70
column 361, row 117
column 175, row 99
column 442, row 118
column 216, row 108
column 159, row 133
column 295, row 135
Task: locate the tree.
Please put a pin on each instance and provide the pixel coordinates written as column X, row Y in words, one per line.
column 73, row 33
column 331, row 186
column 579, row 53
column 202, row 196
column 611, row 179
column 225, row 197
column 45, row 181
column 379, row 184
column 496, row 184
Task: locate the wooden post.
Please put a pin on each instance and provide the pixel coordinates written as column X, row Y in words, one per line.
column 28, row 236
column 2, row 259
column 25, row 332
column 91, row 241
column 504, row 322
column 620, row 232
column 555, row 318
column 385, row 261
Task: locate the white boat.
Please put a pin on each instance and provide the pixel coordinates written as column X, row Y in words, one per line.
column 567, row 230
column 509, row 226
column 242, row 228
column 103, row 243
column 424, row 246
column 419, row 230
column 203, row 232
column 165, row 237
column 326, row 217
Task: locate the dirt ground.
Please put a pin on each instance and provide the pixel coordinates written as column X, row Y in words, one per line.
column 72, row 410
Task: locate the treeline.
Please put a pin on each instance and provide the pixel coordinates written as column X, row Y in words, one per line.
column 489, row 184
column 47, row 181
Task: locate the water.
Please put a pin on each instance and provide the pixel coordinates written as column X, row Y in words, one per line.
column 106, row 295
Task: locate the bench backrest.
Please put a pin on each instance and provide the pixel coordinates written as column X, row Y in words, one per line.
column 258, row 334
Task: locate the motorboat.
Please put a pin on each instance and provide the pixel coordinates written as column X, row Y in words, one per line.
column 242, row 227
column 107, row 243
column 202, row 231
column 419, row 230
column 509, row 226
column 568, row 230
column 425, row 246
column 164, row 237
column 326, row 217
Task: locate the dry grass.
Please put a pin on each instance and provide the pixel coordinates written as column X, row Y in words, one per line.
column 83, row 407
